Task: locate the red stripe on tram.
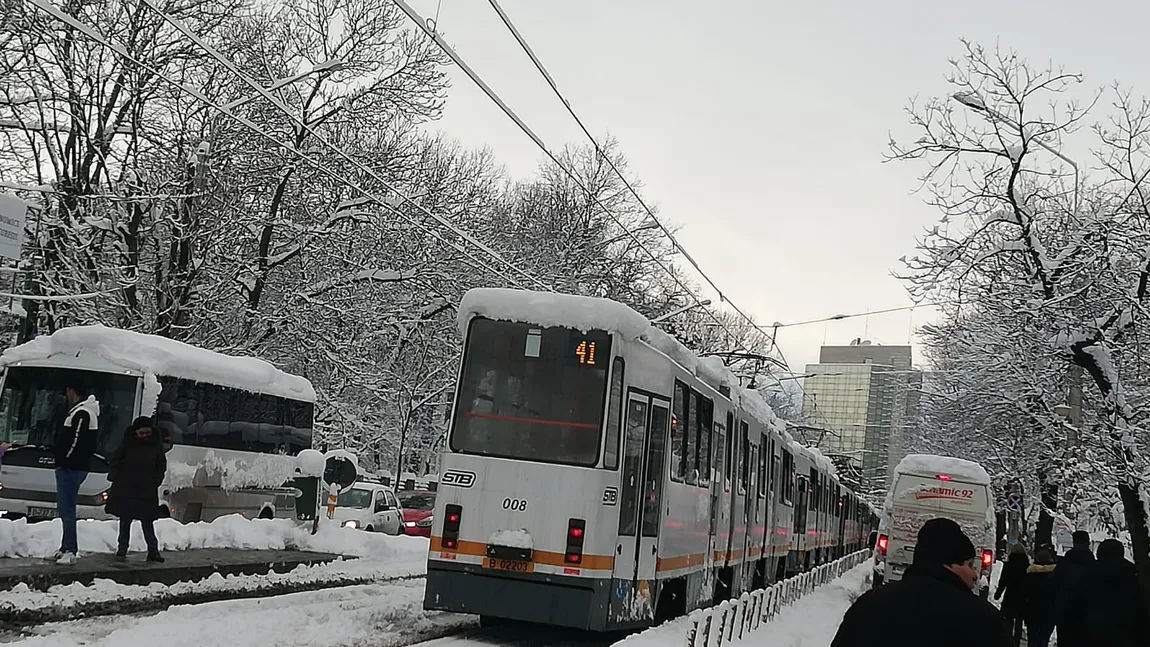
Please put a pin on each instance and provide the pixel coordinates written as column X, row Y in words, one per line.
column 533, row 421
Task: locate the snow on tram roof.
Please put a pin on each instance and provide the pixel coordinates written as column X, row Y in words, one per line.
column 551, row 309
column 594, row 313
column 151, row 354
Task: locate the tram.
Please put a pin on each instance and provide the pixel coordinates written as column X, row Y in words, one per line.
column 598, row 475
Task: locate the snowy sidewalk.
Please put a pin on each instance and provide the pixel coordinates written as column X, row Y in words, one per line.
column 377, row 615
column 814, row 619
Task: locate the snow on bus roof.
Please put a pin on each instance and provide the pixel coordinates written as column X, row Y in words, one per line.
column 551, row 309
column 151, row 354
column 967, row 471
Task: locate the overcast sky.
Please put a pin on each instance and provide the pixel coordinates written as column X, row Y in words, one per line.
column 758, row 127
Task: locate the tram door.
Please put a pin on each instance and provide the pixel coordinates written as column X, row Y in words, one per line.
column 640, row 506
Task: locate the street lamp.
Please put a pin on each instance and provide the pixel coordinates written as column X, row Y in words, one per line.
column 700, row 304
column 973, row 101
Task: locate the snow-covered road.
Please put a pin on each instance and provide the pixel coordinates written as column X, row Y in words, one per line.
column 377, row 615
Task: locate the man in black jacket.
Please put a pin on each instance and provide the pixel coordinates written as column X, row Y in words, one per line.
column 934, row 604
column 74, row 447
column 1072, row 571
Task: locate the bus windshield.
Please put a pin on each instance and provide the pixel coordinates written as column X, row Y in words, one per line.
column 33, row 405
column 532, row 393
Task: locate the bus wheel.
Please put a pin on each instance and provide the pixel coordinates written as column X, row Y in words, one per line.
column 266, row 513
column 164, row 512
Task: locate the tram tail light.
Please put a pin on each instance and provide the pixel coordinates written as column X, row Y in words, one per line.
column 451, row 519
column 576, row 529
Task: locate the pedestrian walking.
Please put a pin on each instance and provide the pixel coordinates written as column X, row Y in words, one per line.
column 1011, row 590
column 136, row 472
column 933, row 604
column 75, row 443
column 1073, row 568
column 1040, row 590
column 1109, row 602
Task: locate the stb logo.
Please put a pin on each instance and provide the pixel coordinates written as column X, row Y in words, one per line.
column 46, row 460
column 458, row 478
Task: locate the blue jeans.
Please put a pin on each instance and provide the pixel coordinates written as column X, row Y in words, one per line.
column 67, row 489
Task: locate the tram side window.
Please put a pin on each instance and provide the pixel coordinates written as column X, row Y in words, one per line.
column 728, row 466
column 787, row 489
column 744, row 456
column 614, row 416
column 706, row 417
column 813, row 487
column 691, row 450
column 720, row 449
column 679, row 432
column 763, row 447
column 776, row 465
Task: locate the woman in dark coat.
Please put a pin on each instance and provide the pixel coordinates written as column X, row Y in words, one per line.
column 136, row 472
column 1011, row 588
column 1040, row 596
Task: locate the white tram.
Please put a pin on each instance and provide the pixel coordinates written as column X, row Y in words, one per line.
column 600, row 476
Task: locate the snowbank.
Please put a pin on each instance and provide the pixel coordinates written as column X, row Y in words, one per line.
column 378, row 614
column 21, row 539
column 151, row 355
column 928, row 464
column 71, row 600
column 811, row 621
column 551, row 309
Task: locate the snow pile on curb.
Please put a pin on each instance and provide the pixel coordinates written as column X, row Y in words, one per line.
column 104, row 596
column 21, row 539
column 812, row 620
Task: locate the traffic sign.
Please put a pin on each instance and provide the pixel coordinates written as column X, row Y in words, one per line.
column 1014, row 502
column 340, row 470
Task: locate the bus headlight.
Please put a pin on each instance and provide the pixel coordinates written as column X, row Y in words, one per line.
column 104, row 496
column 351, row 523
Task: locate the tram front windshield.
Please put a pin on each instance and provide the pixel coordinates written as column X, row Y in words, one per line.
column 532, row 393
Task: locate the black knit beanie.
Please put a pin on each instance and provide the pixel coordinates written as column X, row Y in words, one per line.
column 940, row 542
column 140, row 423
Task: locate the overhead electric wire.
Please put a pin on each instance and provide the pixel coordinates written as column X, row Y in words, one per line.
column 95, row 35
column 507, row 22
column 494, row 96
column 599, row 149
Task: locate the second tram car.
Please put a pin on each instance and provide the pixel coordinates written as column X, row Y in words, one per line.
column 600, row 476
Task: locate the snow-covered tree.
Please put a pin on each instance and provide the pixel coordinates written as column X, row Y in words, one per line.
column 1042, row 267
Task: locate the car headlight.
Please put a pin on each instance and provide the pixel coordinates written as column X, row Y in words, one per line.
column 104, row 496
column 351, row 523
column 425, row 523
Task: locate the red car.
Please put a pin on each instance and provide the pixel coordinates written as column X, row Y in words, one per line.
column 418, row 506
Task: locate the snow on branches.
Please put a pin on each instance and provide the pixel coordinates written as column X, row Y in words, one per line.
column 1041, row 259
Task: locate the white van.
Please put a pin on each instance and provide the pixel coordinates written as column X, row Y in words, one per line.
column 926, row 487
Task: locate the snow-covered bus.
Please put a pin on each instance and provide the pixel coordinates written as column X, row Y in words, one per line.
column 232, row 425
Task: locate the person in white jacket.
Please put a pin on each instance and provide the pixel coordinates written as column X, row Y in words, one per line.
column 74, row 447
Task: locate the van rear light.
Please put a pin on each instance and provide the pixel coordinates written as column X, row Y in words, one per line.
column 987, row 558
column 452, row 517
column 882, row 543
column 944, row 477
column 576, row 529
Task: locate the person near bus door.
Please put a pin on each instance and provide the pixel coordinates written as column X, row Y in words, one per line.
column 136, row 472
column 1010, row 589
column 933, row 604
column 75, row 443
